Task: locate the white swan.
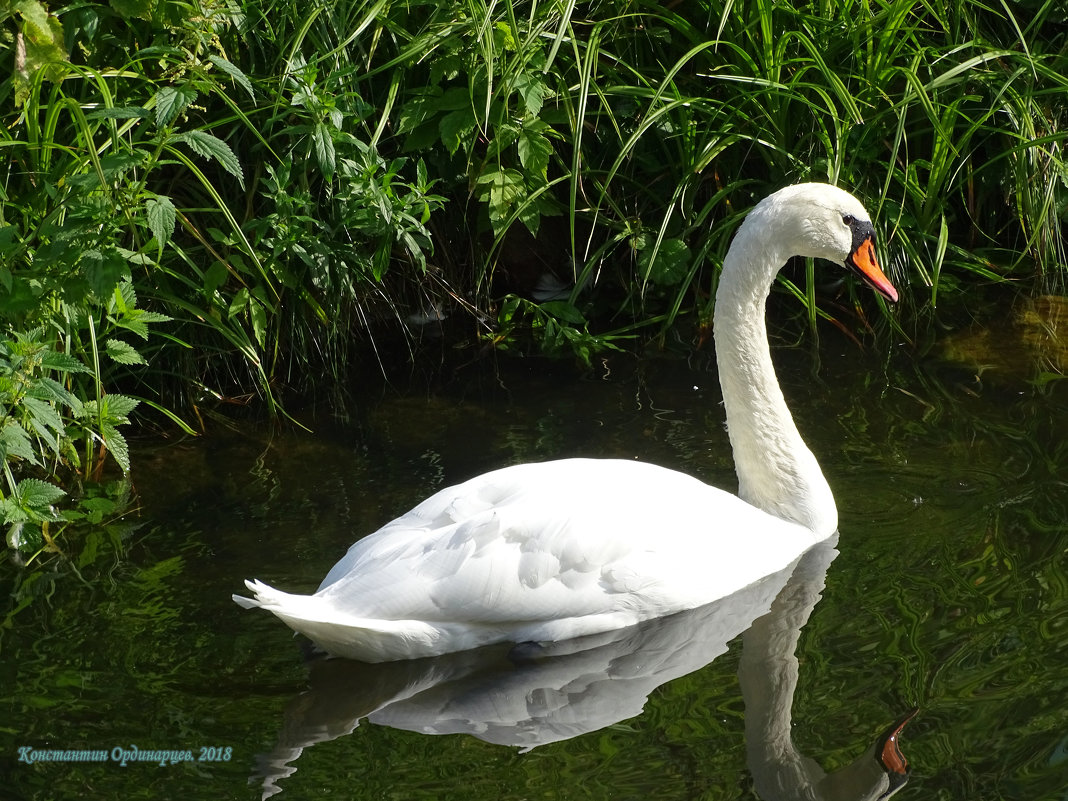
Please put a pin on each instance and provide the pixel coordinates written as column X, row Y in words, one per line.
column 556, row 550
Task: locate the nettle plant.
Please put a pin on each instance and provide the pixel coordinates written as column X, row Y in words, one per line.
column 57, row 424
column 102, row 165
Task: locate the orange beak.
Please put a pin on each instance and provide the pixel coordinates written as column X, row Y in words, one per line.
column 862, row 261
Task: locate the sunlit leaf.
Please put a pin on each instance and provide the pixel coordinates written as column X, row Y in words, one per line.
column 34, row 493
column 134, row 8
column 116, row 445
column 62, row 362
column 138, row 320
column 42, row 44
column 210, row 146
column 119, row 407
column 501, row 189
column 324, row 150
column 533, row 90
column 235, row 73
column 161, row 216
column 123, row 352
column 534, row 152
column 172, row 101
column 14, row 441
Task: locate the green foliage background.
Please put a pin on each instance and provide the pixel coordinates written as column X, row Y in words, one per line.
column 209, row 199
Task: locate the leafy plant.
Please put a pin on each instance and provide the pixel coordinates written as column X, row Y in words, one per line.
column 42, row 424
column 558, row 328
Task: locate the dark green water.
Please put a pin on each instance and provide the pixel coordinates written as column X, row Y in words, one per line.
column 949, row 594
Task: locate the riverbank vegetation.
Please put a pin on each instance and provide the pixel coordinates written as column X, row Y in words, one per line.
column 209, row 200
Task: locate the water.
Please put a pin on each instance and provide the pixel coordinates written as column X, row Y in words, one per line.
column 949, row 595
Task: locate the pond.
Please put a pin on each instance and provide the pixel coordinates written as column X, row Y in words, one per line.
column 946, row 596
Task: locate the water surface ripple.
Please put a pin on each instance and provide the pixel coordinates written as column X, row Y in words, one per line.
column 947, row 594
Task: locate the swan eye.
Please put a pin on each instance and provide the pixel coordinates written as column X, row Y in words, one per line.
column 849, row 219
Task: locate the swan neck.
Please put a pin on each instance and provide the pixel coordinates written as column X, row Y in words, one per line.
column 768, row 674
column 776, row 470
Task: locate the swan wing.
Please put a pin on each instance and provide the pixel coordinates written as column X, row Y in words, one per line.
column 536, row 545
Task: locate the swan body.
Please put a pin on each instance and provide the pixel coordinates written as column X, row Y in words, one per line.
column 556, row 550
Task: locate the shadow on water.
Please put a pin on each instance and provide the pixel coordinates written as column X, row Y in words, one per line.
column 950, row 595
column 528, row 696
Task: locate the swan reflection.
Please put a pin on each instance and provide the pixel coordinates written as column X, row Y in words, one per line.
column 527, row 696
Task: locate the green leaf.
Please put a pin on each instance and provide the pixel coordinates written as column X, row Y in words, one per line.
column 103, row 270
column 456, row 128
column 134, row 8
column 239, row 302
column 422, row 138
column 21, row 298
column 14, row 441
column 151, row 317
column 34, row 18
column 323, row 144
column 210, row 146
column 96, row 509
column 414, row 113
column 112, row 167
column 419, row 111
column 62, row 363
column 235, row 73
column 123, row 113
column 534, row 152
column 123, row 353
column 117, row 408
column 43, row 44
column 116, row 445
column 259, row 321
column 671, row 264
column 161, row 216
column 49, row 389
column 172, row 101
column 502, row 36
column 125, row 297
column 533, row 91
column 504, row 136
column 36, row 494
column 501, row 189
column 137, row 320
column 562, row 310
column 43, row 412
column 11, row 512
column 214, row 277
column 530, row 216
column 130, row 322
column 43, row 433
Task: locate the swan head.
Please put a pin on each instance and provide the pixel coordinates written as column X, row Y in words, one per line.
column 823, row 221
column 776, row 470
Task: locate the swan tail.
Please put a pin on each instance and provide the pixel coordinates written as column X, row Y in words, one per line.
column 343, row 634
column 267, row 597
